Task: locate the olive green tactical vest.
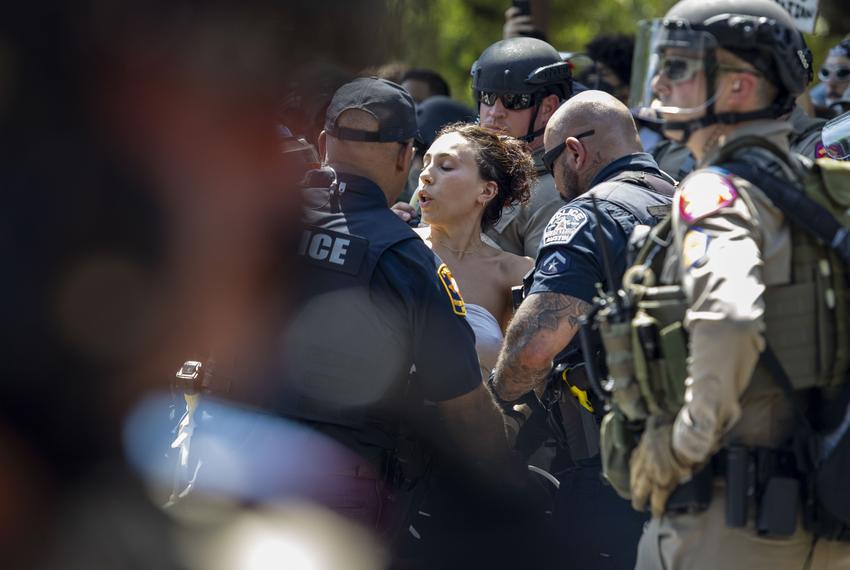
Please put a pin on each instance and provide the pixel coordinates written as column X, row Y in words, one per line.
column 807, row 321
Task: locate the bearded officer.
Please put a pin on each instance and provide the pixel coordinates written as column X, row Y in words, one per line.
column 592, row 149
column 727, row 70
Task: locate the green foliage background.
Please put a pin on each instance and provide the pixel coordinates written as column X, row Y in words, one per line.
column 448, row 35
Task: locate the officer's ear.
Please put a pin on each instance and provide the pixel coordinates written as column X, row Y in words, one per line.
column 405, row 156
column 322, row 143
column 576, row 153
column 548, row 106
column 743, row 90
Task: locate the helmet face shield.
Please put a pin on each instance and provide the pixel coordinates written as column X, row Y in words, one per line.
column 671, row 70
column 836, row 137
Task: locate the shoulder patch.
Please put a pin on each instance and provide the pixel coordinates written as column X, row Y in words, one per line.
column 704, row 193
column 450, row 285
column 820, row 151
column 694, row 248
column 563, row 226
column 554, row 264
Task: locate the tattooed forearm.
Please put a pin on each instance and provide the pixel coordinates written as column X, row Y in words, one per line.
column 544, row 324
column 556, row 308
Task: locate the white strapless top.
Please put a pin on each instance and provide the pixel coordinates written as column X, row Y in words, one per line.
column 488, row 336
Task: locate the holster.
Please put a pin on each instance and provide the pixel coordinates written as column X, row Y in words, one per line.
column 693, row 496
column 767, row 478
column 572, row 419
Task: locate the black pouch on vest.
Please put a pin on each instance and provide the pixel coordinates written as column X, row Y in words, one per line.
column 777, row 509
column 739, row 481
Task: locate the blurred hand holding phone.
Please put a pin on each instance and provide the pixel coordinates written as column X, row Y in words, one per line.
column 519, row 21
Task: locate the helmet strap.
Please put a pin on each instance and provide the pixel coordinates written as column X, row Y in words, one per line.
column 532, row 134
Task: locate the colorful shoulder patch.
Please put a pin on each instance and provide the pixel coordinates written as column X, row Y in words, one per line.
column 694, row 248
column 563, row 226
column 450, row 285
column 820, row 151
column 704, row 193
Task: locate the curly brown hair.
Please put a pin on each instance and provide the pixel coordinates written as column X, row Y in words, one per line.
column 502, row 159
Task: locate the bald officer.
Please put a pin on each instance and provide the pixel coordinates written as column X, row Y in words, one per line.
column 592, row 149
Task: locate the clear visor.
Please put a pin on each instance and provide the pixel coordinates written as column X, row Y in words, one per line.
column 669, row 59
column 836, row 137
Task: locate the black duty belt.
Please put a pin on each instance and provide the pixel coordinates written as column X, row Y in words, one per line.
column 747, row 471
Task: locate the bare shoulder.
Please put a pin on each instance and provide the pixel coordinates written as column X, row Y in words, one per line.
column 513, row 267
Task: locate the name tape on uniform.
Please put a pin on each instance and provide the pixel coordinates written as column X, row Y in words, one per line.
column 333, row 250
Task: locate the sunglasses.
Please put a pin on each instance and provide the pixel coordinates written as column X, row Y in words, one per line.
column 510, row 101
column 840, row 73
column 550, row 156
column 678, row 69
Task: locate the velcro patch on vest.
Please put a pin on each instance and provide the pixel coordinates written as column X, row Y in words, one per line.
column 450, row 285
column 694, row 248
column 563, row 226
column 704, row 193
column 333, row 250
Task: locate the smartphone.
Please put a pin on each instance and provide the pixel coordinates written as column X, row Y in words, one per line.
column 524, row 6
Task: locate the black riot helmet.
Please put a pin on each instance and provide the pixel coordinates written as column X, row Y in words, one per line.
column 522, row 66
column 759, row 32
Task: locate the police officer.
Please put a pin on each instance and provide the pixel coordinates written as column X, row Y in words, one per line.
column 593, row 149
column 382, row 328
column 518, row 84
column 728, row 71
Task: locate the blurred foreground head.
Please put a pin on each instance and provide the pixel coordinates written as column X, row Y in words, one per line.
column 148, row 216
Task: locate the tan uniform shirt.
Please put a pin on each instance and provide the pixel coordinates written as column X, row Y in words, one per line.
column 520, row 228
column 724, row 260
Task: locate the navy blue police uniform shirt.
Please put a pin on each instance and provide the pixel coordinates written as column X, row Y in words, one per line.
column 570, row 258
column 411, row 312
column 443, row 342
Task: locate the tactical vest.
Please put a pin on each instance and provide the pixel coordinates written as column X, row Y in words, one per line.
column 807, row 322
column 645, row 195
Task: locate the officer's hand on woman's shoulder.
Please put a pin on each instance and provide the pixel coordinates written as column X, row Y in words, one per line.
column 404, row 211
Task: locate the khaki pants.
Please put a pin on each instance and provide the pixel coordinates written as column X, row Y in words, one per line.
column 703, row 541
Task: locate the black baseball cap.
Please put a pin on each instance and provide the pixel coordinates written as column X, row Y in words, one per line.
column 388, row 102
